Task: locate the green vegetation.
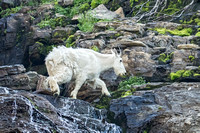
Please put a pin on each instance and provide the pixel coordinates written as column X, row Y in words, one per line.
column 182, row 73
column 127, row 84
column 53, row 22
column 9, row 11
column 196, row 75
column 70, row 41
column 165, row 57
column 191, row 58
column 197, row 34
column 124, row 89
column 45, row 49
column 176, row 75
column 183, row 32
column 86, row 22
column 95, row 3
column 95, row 48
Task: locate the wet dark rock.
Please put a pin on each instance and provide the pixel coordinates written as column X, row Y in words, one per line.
column 14, row 39
column 14, row 77
column 170, row 108
column 26, row 112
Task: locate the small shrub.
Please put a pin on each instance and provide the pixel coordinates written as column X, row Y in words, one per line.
column 86, row 22
column 8, row 11
column 127, row 84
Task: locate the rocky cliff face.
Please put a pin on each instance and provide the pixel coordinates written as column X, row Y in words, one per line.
column 159, row 40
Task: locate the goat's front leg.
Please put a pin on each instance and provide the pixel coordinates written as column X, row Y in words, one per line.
column 103, row 86
column 53, row 85
column 78, row 83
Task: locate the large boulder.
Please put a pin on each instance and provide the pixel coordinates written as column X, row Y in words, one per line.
column 138, row 62
column 15, row 77
column 101, row 12
column 171, row 108
column 26, row 112
column 15, row 37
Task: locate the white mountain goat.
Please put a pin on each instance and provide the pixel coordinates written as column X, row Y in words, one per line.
column 66, row 64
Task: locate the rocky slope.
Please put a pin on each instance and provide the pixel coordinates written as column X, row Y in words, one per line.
column 162, row 49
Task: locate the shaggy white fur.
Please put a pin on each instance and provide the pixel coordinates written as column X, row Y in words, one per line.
column 66, row 64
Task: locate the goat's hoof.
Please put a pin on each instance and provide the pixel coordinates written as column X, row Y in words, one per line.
column 109, row 95
column 56, row 94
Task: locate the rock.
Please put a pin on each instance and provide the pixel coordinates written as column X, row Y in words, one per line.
column 157, row 110
column 181, row 59
column 188, row 46
column 101, row 12
column 138, row 28
column 41, row 33
column 11, row 70
column 26, row 112
column 130, row 43
column 65, row 2
column 138, row 63
column 35, row 54
column 99, row 43
column 15, row 36
column 160, row 24
column 120, row 12
column 33, row 79
column 14, row 77
column 170, row 43
column 61, row 32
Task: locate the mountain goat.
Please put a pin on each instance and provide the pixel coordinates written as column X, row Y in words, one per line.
column 66, row 64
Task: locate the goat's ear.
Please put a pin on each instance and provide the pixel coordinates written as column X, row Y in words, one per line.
column 114, row 51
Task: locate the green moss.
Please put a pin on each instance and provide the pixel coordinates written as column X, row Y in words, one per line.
column 161, row 30
column 183, row 32
column 165, row 57
column 197, row 21
column 111, row 29
column 128, row 93
column 187, row 73
column 70, row 41
column 196, row 75
column 117, row 34
column 176, row 75
column 197, row 34
column 95, row 48
column 181, row 73
column 191, row 58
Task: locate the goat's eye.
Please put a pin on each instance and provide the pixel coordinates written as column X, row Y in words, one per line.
column 120, row 60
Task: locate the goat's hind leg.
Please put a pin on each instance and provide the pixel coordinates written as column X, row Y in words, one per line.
column 78, row 83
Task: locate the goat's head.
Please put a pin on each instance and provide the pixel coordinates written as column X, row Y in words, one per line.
column 118, row 64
